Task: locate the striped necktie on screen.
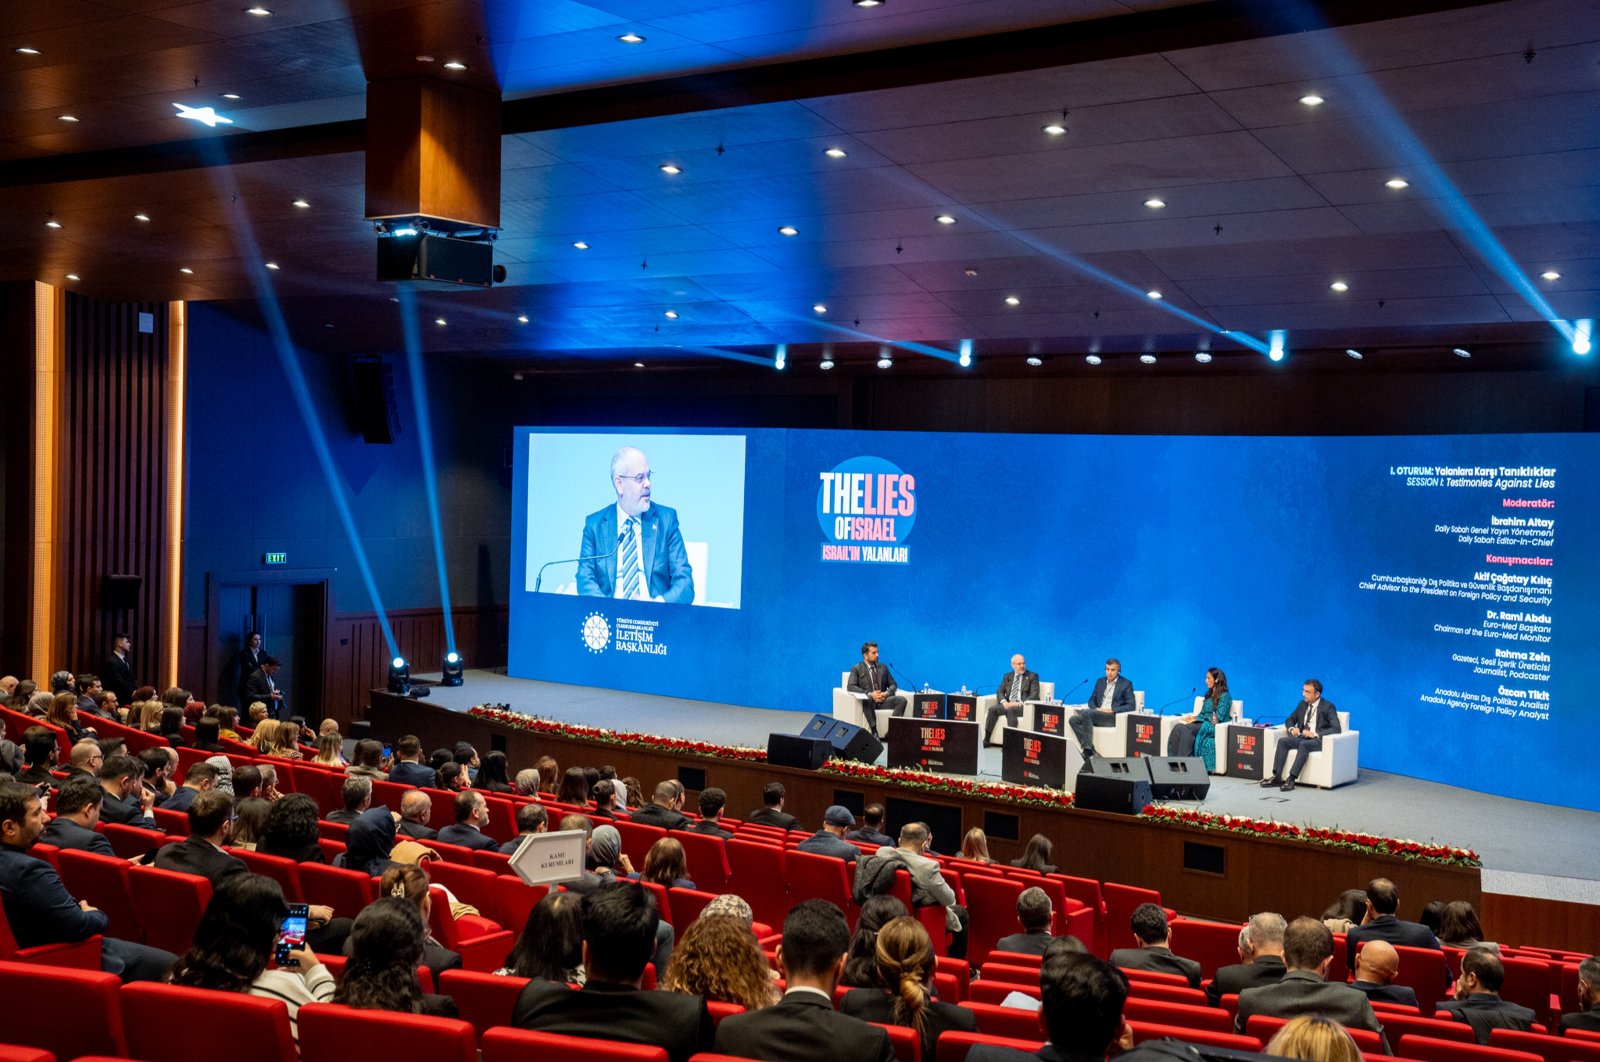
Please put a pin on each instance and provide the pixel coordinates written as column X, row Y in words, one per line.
column 630, row 560
column 1016, row 687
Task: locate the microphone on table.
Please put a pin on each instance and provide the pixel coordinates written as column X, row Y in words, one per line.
column 537, row 579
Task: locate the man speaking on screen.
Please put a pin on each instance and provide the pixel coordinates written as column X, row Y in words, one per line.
column 634, row 549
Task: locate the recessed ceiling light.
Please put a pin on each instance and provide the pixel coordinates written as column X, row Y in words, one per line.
column 671, row 315
column 455, row 65
column 836, row 153
column 1550, row 274
column 67, row 118
column 1397, row 183
column 638, row 365
column 866, row 3
column 580, row 245
column 788, row 230
column 424, row 58
column 301, row 203
column 273, row 266
column 206, row 115
column 945, row 219
column 26, row 51
column 1462, row 352
column 970, row 272
column 73, row 276
column 1148, row 359
column 1155, row 204
column 826, row 363
column 440, row 321
column 819, row 308
column 1311, row 99
column 258, row 11
column 141, row 217
column 1339, row 285
column 522, row 318
column 1035, row 361
column 1055, row 129
column 631, row 38
column 1203, row 357
column 1353, row 353
column 1092, row 359
column 671, row 169
column 885, row 362
column 232, row 96
column 52, row 223
column 1152, row 294
column 186, row 271
column 1012, row 300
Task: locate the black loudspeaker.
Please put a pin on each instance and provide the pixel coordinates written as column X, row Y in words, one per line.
column 791, row 750
column 372, row 401
column 848, row 741
column 1178, row 777
column 120, row 593
column 1118, row 785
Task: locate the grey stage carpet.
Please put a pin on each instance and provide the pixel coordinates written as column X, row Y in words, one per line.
column 1528, row 849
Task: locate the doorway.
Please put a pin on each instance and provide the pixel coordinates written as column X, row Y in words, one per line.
column 289, row 610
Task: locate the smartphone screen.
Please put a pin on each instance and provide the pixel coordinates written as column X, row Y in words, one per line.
column 292, row 935
column 388, row 752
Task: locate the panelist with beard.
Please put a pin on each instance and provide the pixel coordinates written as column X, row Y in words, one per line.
column 634, row 549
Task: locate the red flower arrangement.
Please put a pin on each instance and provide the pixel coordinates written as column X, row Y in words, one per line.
column 944, row 783
column 1333, row 837
column 516, row 720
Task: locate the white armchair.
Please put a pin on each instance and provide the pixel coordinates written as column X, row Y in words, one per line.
column 847, row 705
column 1112, row 741
column 1330, row 766
column 1047, row 690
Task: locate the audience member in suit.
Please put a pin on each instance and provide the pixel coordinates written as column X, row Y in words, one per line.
column 872, row 682
column 712, row 803
column 40, row 750
column 77, row 811
column 619, row 935
column 408, row 767
column 1587, row 1016
column 531, row 819
column 606, row 804
column 1080, row 1008
column 357, row 795
column 1308, row 953
column 803, row 1026
column 871, row 830
column 928, row 887
column 37, row 905
column 771, row 812
column 1017, row 687
column 127, row 801
column 904, row 954
column 1149, row 923
column 262, row 686
column 1478, row 1001
column 1376, row 968
column 200, row 778
column 1034, row 912
column 249, row 660
column 210, row 816
column 116, row 674
column 830, row 840
column 1112, row 695
column 666, row 809
column 1380, row 923
column 1260, row 958
column 1311, row 720
column 416, row 808
column 472, row 815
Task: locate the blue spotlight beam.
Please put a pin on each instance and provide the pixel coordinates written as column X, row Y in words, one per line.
column 430, row 481
column 278, row 332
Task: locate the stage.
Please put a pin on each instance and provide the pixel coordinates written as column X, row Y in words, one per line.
column 1528, row 850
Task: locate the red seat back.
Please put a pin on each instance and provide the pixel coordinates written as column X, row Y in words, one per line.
column 953, row 1046
column 514, row 899
column 521, row 1045
column 329, row 1031
column 103, row 881
column 489, row 859
column 759, row 875
column 1148, row 1030
column 821, row 877
column 1265, row 1026
column 1425, row 972
column 1424, row 1049
column 472, row 885
column 1087, row 892
column 1005, row 1021
column 707, row 859
column 1398, row 1025
column 502, row 824
column 131, row 842
column 1181, row 1014
column 180, row 899
column 720, row 1010
column 286, row 872
column 1549, row 1048
column 637, row 839
column 1211, row 944
column 70, row 1012
column 169, row 1023
column 176, row 823
column 1121, row 900
column 905, row 1041
column 483, row 999
column 992, row 910
column 346, row 891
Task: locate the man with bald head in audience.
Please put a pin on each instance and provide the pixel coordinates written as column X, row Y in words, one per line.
column 666, row 810
column 416, row 808
column 1376, row 966
column 1260, row 958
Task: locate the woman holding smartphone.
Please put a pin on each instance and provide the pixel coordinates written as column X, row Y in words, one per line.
column 250, row 941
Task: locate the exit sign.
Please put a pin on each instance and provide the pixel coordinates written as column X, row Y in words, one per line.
column 275, row 558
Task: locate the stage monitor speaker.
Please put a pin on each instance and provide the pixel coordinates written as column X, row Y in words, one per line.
column 120, row 593
column 1119, row 785
column 848, row 741
column 1178, row 777
column 791, row 750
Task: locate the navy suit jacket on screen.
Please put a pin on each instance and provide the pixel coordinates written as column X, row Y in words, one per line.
column 662, row 555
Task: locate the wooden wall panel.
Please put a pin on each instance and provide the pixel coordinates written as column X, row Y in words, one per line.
column 358, row 655
column 112, row 479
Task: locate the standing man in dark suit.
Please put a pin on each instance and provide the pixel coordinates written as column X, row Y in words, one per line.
column 1376, row 968
column 871, row 681
column 1308, row 953
column 633, row 548
column 803, row 1026
column 1380, row 923
column 1261, row 959
column 1111, row 696
column 1017, row 686
column 1587, row 1016
column 249, row 660
column 1149, row 924
column 1478, row 1001
column 1311, row 719
column 77, row 811
column 771, row 812
column 619, row 936
column 1081, row 1001
column 210, row 819
column 261, row 686
column 116, row 674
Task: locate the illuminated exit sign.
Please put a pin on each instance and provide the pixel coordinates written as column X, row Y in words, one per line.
column 275, row 558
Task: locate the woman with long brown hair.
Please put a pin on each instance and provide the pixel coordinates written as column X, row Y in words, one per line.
column 904, row 954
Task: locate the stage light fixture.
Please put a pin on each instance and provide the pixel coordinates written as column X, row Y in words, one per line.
column 399, row 676
column 1034, row 360
column 207, row 116
column 788, row 230
column 780, row 356
column 1339, row 286
column 884, row 360
column 452, row 669
column 73, row 276
column 1056, row 129
column 580, row 245
column 671, row 315
column 819, row 307
column 440, row 321
column 1582, row 333
column 631, row 38
column 72, row 118
column 274, row 266
column 301, row 204
column 670, row 169
column 50, row 222
column 1461, row 352
column 186, row 271
column 141, row 217
column 866, row 3
column 638, row 365
column 455, row 65
column 522, row 318
column 964, row 358
column 24, row 50
column 826, row 363
column 232, row 96
column 945, row 219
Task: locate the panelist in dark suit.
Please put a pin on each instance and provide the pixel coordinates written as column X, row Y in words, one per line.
column 1017, row 686
column 1587, row 1016
column 1311, row 719
column 116, row 674
column 1111, row 695
column 634, row 547
column 1478, row 1001
column 1308, row 953
column 872, row 681
column 1261, row 952
column 1380, row 923
column 803, row 1026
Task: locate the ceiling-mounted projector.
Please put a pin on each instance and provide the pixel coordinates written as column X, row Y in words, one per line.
column 411, row 251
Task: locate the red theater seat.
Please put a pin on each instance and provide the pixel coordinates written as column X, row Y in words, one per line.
column 329, row 1031
column 992, row 910
column 483, row 999
column 1264, row 1027
column 1005, row 1021
column 1424, row 1049
column 346, row 891
column 953, row 1046
column 169, row 1023
column 759, row 875
column 1146, row 1030
column 707, row 859
column 905, row 1041
column 1211, row 944
column 521, row 1045
column 483, row 951
column 103, row 882
column 821, row 877
column 1398, row 1025
column 1549, row 1048
column 65, row 1011
column 1180, row 1014
column 176, row 900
